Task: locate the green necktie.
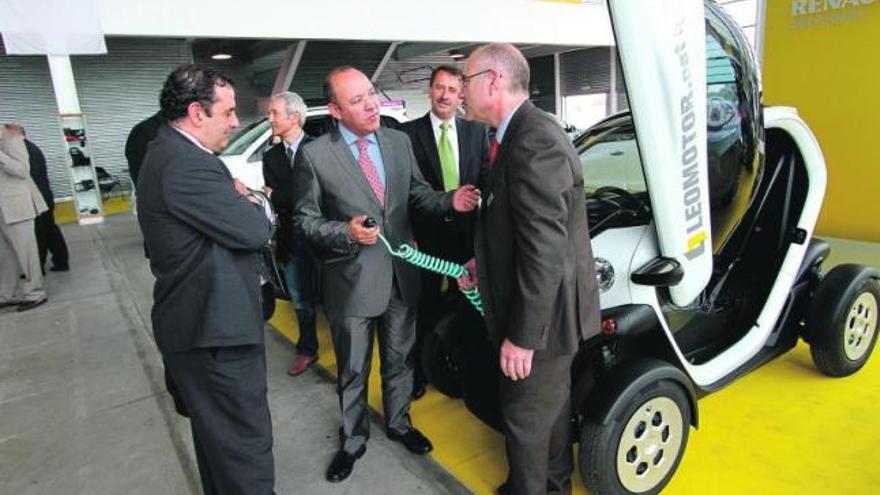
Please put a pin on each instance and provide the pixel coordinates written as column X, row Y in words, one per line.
column 447, row 160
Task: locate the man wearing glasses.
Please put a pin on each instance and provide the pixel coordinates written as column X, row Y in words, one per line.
column 535, row 268
column 340, row 179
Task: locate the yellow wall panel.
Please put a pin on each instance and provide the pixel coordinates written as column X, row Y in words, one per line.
column 823, row 57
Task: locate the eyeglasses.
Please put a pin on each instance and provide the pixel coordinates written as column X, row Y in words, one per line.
column 466, row 79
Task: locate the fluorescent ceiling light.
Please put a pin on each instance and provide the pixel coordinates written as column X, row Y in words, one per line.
column 221, row 56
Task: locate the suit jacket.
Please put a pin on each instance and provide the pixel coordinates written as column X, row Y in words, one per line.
column 138, row 139
column 204, row 241
column 330, row 189
column 450, row 237
column 278, row 174
column 20, row 200
column 39, row 173
column 534, row 259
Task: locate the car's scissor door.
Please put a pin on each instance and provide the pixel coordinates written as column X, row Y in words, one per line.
column 661, row 44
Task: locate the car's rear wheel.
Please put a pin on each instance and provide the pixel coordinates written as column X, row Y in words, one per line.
column 639, row 451
column 843, row 321
column 442, row 360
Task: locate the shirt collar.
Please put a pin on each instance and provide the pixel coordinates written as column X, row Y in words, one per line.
column 436, row 121
column 191, row 138
column 502, row 128
column 295, row 144
column 351, row 138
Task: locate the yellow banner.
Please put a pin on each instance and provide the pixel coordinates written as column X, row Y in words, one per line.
column 821, row 56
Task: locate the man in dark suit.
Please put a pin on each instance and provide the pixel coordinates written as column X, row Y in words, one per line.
column 49, row 237
column 341, row 178
column 204, row 235
column 535, row 268
column 138, row 139
column 287, row 115
column 450, row 151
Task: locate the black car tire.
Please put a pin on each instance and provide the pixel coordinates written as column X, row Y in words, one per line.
column 842, row 322
column 667, row 406
column 441, row 358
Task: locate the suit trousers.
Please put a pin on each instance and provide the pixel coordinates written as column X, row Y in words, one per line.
column 537, row 427
column 223, row 390
column 299, row 273
column 353, row 344
column 50, row 240
column 21, row 278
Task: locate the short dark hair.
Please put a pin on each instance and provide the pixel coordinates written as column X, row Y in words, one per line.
column 328, row 88
column 449, row 69
column 187, row 84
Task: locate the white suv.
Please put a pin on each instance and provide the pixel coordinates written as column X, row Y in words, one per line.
column 243, row 155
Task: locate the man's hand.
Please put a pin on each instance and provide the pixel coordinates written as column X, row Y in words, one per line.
column 465, row 198
column 516, row 362
column 268, row 191
column 468, row 280
column 240, row 187
column 360, row 234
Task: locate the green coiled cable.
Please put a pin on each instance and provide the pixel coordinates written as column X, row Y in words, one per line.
column 436, row 265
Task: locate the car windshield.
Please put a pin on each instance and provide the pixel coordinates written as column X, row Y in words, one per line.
column 614, row 185
column 245, row 137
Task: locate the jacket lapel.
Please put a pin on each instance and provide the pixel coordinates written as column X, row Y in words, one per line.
column 426, row 136
column 468, row 156
column 349, row 165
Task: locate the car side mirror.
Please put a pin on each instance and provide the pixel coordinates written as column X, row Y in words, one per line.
column 659, row 272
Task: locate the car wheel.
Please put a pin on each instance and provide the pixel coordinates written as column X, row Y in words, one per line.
column 441, row 359
column 639, row 451
column 843, row 321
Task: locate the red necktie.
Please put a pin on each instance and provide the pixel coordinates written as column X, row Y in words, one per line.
column 369, row 170
column 493, row 150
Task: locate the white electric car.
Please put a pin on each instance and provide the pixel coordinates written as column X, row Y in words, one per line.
column 243, row 156
column 702, row 204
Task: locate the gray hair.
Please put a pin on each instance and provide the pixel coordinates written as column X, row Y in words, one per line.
column 507, row 59
column 293, row 104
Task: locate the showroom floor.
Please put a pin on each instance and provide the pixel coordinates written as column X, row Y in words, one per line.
column 82, row 407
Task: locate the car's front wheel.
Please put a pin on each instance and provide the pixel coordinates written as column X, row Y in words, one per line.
column 639, row 451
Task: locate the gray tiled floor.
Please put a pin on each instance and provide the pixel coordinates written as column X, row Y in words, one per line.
column 83, row 409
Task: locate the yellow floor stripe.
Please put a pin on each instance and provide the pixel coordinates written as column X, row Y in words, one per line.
column 65, row 211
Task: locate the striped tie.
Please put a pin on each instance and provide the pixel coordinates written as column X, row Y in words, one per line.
column 369, row 170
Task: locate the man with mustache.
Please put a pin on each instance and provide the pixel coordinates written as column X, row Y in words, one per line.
column 450, row 152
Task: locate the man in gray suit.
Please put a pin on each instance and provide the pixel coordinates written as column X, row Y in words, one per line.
column 535, row 267
column 341, row 178
column 204, row 235
column 21, row 277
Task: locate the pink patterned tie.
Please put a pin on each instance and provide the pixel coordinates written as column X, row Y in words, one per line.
column 369, row 170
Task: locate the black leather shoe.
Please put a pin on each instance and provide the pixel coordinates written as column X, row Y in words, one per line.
column 413, row 440
column 60, row 268
column 418, row 391
column 342, row 464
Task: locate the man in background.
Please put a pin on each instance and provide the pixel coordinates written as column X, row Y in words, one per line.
column 21, row 279
column 450, row 152
column 287, row 115
column 49, row 236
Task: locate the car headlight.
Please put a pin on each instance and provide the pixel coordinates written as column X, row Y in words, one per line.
column 604, row 274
